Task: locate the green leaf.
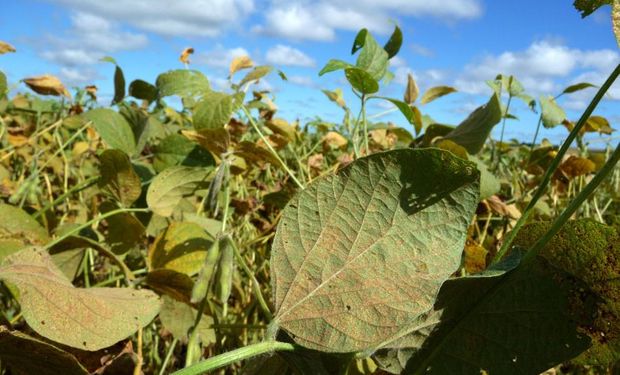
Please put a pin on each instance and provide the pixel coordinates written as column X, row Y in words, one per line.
column 436, row 92
column 176, row 149
column 489, row 184
column 172, row 283
column 143, row 90
column 119, row 85
column 475, row 129
column 587, row 7
column 118, row 178
column 373, row 58
column 125, row 231
column 355, row 257
column 213, row 111
column 361, row 80
column 109, row 59
column 172, row 185
column 396, row 41
column 256, row 74
column 179, row 318
column 182, row 247
column 88, row 319
column 577, row 87
column 26, row 355
column 589, row 252
column 20, row 231
column 182, row 82
column 359, row 41
column 113, row 129
column 333, row 65
column 403, row 107
column 552, row 113
column 3, row 85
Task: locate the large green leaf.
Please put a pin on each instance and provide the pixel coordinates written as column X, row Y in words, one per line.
column 361, row 80
column 552, row 113
column 373, row 58
column 113, row 129
column 88, row 319
column 213, row 111
column 182, row 82
column 360, row 254
column 522, row 319
column 475, row 129
column 171, row 185
column 182, row 247
column 143, row 90
column 26, row 355
column 118, row 177
column 176, row 149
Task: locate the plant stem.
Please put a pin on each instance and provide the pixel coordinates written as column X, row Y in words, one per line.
column 77, row 188
column 365, row 124
column 555, row 163
column 501, row 137
column 255, row 284
column 273, row 151
column 535, row 136
column 236, row 355
column 173, row 344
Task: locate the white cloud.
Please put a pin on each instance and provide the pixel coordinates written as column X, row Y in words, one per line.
column 303, row 81
column 89, row 39
column 78, row 76
column 544, row 67
column 178, row 18
column 307, row 20
column 220, row 57
column 288, row 56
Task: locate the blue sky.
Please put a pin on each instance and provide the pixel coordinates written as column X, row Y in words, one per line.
column 461, row 43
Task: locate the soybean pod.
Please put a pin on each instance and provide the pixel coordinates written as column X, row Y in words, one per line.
column 226, row 268
column 199, row 292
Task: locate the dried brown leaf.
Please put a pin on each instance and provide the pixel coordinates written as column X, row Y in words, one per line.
column 47, row 85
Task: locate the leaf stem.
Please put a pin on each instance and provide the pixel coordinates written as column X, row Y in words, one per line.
column 77, row 188
column 236, row 355
column 273, row 151
column 555, row 163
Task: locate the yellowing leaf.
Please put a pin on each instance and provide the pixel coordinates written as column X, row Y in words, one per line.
column 184, row 58
column 88, row 319
column 172, row 185
column 334, row 140
column 5, row 48
column 239, row 63
column 412, row 91
column 598, row 124
column 475, row 258
column 179, row 318
column 182, row 247
column 47, row 85
column 214, row 140
column 282, row 127
column 577, row 166
column 615, row 18
column 436, row 92
column 91, row 90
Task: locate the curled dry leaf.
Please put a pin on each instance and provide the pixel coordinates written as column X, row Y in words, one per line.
column 184, row 58
column 577, row 166
column 47, row 85
column 239, row 63
column 5, row 48
column 91, row 90
column 500, row 207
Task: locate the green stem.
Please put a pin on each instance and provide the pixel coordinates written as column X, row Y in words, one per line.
column 236, row 355
column 365, row 124
column 255, row 283
column 501, row 137
column 77, row 188
column 173, row 344
column 273, row 151
column 535, row 136
column 555, row 163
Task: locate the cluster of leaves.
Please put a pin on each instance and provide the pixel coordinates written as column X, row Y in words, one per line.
column 146, row 238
